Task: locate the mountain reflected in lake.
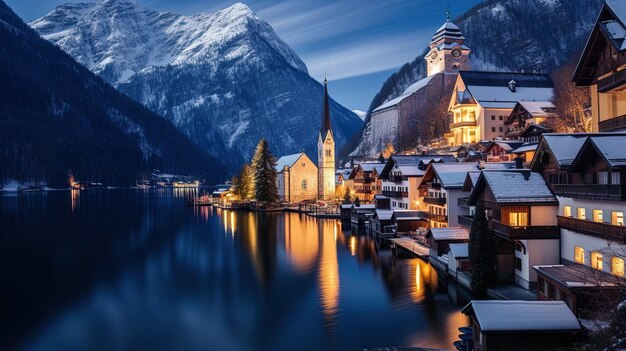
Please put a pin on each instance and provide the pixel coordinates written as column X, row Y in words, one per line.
column 135, row 269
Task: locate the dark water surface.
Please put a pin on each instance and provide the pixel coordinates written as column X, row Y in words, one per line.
column 139, row 270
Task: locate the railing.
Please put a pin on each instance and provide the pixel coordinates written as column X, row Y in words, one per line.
column 590, row 191
column 614, row 80
column 463, row 124
column 466, row 221
column 435, row 217
column 431, row 185
column 396, row 178
column 612, row 124
column 435, row 200
column 463, row 202
column 395, row 193
column 524, row 232
column 597, row 229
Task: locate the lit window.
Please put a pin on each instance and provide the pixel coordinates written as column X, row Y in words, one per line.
column 617, row 218
column 581, row 213
column 303, row 184
column 617, row 266
column 597, row 216
column 567, row 211
column 579, row 254
column 596, row 260
column 327, row 153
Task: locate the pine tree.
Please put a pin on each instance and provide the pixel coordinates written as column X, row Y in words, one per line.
column 247, row 182
column 347, row 199
column 263, row 168
column 237, row 190
column 481, row 252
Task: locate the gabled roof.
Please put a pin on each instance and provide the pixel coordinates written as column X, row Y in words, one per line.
column 459, row 250
column 506, row 145
column 522, row 316
column 288, row 161
column 513, row 186
column 409, row 165
column 538, row 108
column 525, row 148
column 534, row 129
column 452, row 175
column 406, row 215
column 610, row 27
column 610, row 146
column 383, row 215
column 493, row 89
column 408, row 92
column 563, row 147
column 451, row 233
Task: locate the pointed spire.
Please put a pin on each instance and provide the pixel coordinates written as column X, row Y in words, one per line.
column 325, row 125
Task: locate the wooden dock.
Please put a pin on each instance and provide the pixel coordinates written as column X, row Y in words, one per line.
column 411, row 246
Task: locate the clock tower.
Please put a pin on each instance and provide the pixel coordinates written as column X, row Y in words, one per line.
column 448, row 53
column 326, row 153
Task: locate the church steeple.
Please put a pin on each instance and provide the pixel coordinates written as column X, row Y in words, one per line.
column 326, row 152
column 325, row 125
column 448, row 52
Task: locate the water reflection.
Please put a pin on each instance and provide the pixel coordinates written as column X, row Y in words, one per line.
column 137, row 269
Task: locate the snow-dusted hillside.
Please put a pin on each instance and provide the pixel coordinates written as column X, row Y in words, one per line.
column 224, row 78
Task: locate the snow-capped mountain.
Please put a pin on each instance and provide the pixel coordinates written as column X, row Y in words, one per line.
column 224, row 78
column 361, row 114
column 57, row 117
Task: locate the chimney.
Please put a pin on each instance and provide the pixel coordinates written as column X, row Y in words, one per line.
column 481, row 164
column 519, row 163
column 512, row 85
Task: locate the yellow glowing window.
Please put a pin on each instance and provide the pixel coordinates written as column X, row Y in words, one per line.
column 567, row 211
column 617, row 266
column 617, row 218
column 597, row 216
column 581, row 213
column 579, row 254
column 596, row 260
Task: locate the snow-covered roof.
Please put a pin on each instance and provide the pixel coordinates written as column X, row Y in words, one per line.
column 408, row 92
column 513, row 186
column 492, row 89
column 577, row 276
column 384, row 215
column 525, row 148
column 370, row 166
column 522, row 316
column 452, row 175
column 536, row 108
column 409, row 165
column 564, row 147
column 459, row 250
column 448, row 31
column 287, row 161
column 407, row 215
column 450, row 233
column 619, row 9
column 506, row 145
column 612, row 147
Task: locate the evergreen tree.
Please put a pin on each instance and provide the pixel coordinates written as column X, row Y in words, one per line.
column 263, row 168
column 246, row 177
column 237, row 190
column 346, row 196
column 481, row 252
column 381, row 158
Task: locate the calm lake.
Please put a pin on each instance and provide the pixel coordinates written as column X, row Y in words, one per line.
column 140, row 270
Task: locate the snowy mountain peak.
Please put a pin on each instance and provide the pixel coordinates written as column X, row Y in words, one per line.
column 120, row 38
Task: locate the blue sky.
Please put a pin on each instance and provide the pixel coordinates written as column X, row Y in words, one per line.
column 358, row 42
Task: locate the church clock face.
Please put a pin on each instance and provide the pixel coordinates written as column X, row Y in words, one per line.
column 433, row 55
column 456, row 53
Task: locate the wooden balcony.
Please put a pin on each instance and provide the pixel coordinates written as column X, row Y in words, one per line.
column 396, row 178
column 612, row 81
column 435, row 217
column 435, row 200
column 613, row 124
column 524, row 232
column 431, row 185
column 463, row 124
column 597, row 229
column 390, row 193
column 591, row 191
column 466, row 221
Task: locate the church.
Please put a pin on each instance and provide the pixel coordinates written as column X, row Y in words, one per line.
column 396, row 120
column 298, row 178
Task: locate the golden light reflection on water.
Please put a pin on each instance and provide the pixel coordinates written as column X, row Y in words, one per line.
column 75, row 195
column 301, row 242
column 353, row 245
column 329, row 269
